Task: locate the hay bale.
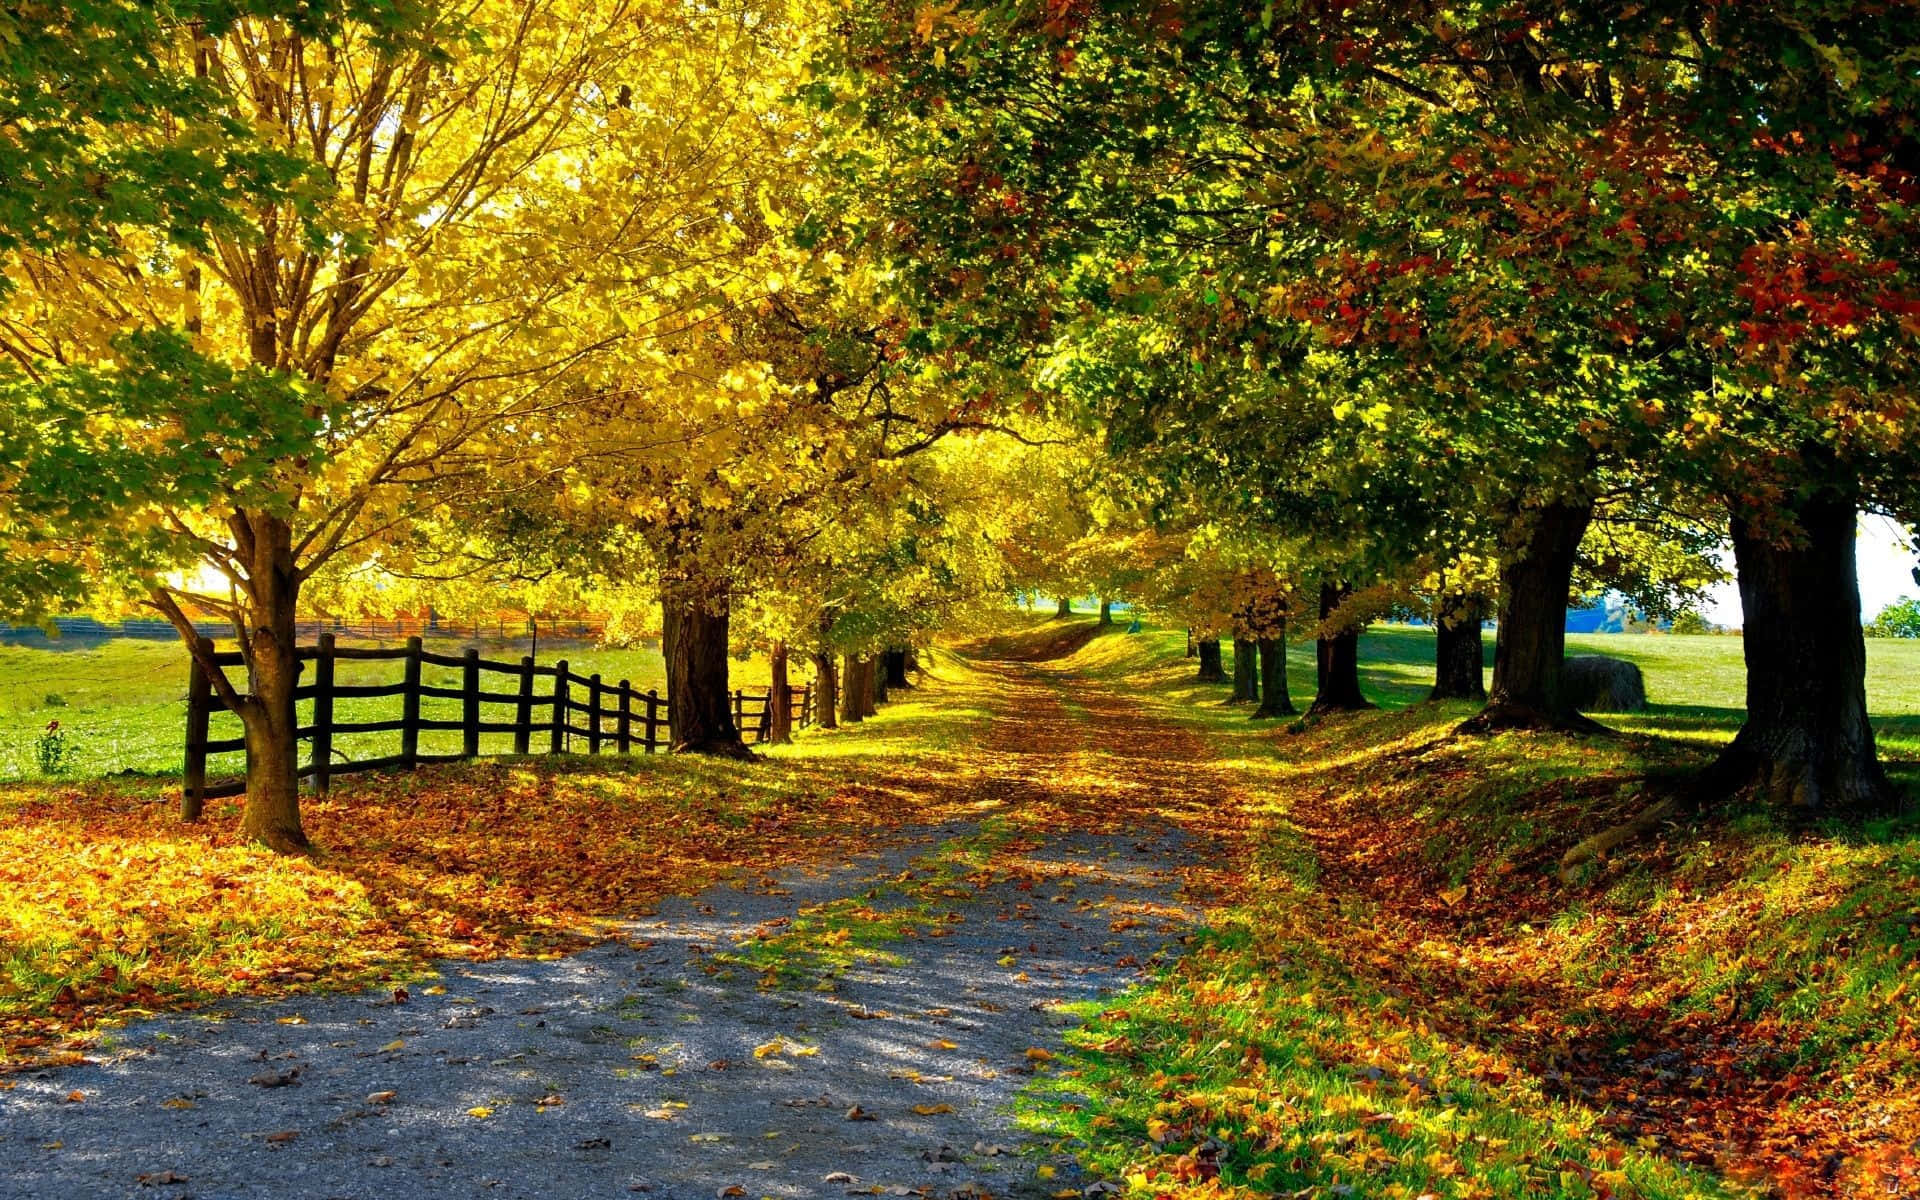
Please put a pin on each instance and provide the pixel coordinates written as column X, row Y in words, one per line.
column 1597, row 683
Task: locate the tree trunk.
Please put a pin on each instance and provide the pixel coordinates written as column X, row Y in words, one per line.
column 853, row 691
column 1336, row 659
column 1106, row 612
column 896, row 661
column 1458, row 658
column 1191, row 648
column 1211, row 670
column 873, row 687
column 271, row 812
column 1807, row 743
column 1246, row 671
column 779, row 697
column 1530, row 647
column 877, row 676
column 826, row 690
column 694, row 621
column 1275, row 700
column 1065, row 609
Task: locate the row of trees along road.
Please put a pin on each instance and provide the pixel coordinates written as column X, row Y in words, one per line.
column 1470, row 302
column 817, row 322
column 299, row 293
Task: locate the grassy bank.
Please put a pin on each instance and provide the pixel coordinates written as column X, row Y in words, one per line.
column 1406, row 1000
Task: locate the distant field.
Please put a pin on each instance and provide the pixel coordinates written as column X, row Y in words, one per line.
column 125, row 709
column 125, row 714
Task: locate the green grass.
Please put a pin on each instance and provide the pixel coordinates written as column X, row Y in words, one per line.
column 1402, row 921
column 124, row 710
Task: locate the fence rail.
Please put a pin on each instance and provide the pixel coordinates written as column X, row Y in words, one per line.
column 609, row 717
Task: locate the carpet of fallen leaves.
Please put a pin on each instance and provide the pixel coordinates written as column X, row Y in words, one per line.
column 1406, row 999
column 110, row 908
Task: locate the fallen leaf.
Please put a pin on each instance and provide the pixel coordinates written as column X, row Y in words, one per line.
column 380, row 1098
column 159, row 1178
column 943, row 1044
column 283, row 1137
column 1036, row 1054
column 929, row 1110
column 480, row 1112
column 856, row 1113
column 75, row 1098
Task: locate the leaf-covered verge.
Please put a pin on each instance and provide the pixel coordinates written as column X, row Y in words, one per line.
column 1406, row 999
column 111, row 909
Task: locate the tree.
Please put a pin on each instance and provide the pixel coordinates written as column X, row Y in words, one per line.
column 1901, row 619
column 298, row 386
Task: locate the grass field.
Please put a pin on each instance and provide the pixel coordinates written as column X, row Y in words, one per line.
column 124, row 706
column 124, row 709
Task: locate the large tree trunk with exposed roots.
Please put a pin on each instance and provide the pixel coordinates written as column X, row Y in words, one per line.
column 1459, row 658
column 1106, row 612
column 1807, row 744
column 1530, row 647
column 1275, row 700
column 1212, row 670
column 1246, row 671
column 694, row 626
column 271, row 812
column 779, row 697
column 1064, row 610
column 1336, row 659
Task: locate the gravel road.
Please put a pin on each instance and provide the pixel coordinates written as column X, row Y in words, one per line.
column 631, row 1068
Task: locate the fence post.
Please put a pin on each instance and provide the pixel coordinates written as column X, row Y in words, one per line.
column 323, row 716
column 193, row 784
column 410, row 708
column 806, row 706
column 766, row 716
column 653, row 719
column 523, row 717
column 558, row 744
column 594, row 692
column 739, row 709
column 470, row 704
column 626, row 717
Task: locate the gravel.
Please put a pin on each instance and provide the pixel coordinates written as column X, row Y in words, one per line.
column 629, row 1068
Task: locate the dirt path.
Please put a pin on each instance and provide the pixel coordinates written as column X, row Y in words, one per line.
column 662, row 1064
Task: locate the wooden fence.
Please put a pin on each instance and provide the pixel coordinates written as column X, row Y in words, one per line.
column 616, row 717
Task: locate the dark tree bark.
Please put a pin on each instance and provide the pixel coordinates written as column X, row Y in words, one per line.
column 1246, row 671
column 1106, row 612
column 1275, row 700
column 826, row 695
column 1458, row 657
column 1530, row 647
column 877, row 678
column 1336, row 659
column 271, row 812
column 779, row 697
column 1064, row 610
column 694, row 619
column 896, row 661
column 1211, row 669
column 1191, row 648
column 1807, row 744
column 855, row 691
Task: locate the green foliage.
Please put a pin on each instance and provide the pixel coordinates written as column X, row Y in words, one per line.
column 1901, row 619
column 53, row 753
